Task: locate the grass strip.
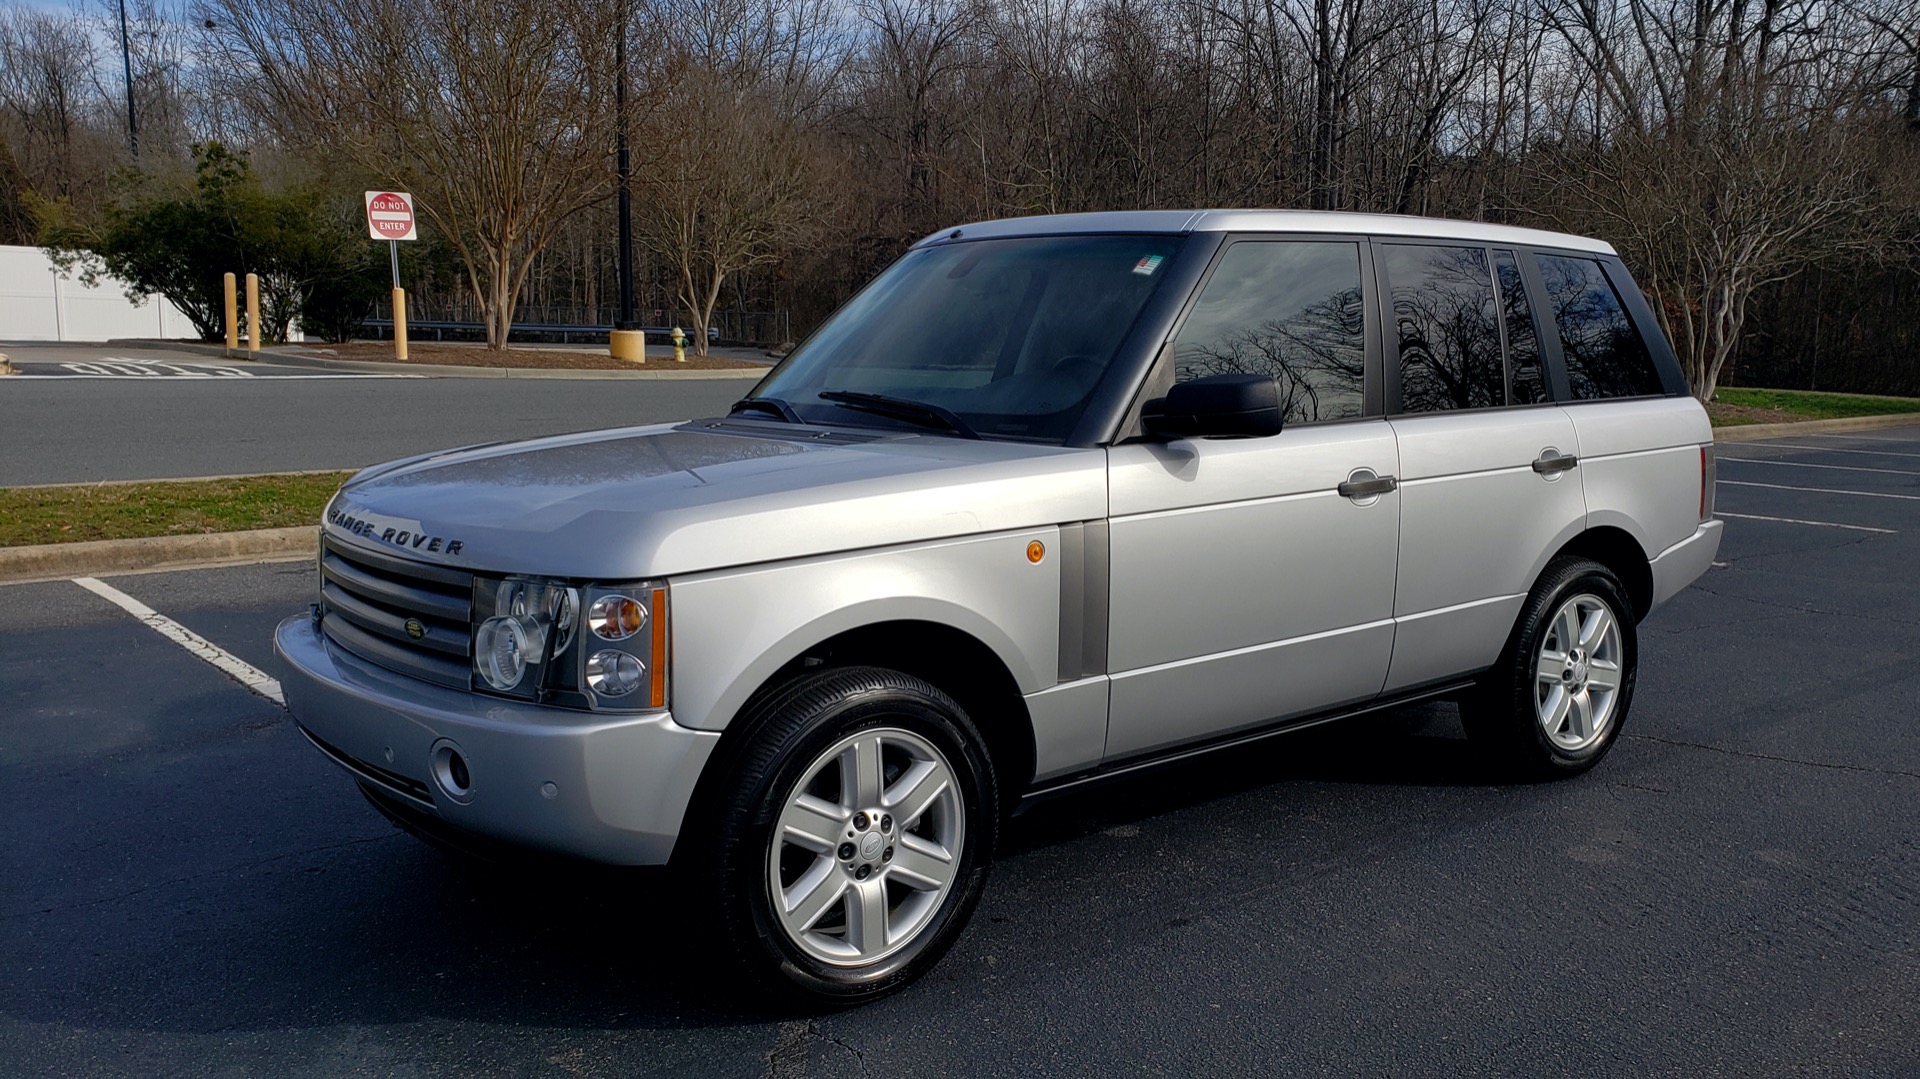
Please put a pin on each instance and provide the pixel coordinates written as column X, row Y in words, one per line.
column 104, row 511
column 1734, row 407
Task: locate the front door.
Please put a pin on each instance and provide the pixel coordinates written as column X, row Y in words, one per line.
column 1246, row 587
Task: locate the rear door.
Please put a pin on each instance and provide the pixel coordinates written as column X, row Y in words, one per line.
column 1246, row 587
column 1640, row 431
column 1489, row 473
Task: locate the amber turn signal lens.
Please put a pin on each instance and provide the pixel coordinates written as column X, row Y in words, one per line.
column 657, row 689
column 1036, row 551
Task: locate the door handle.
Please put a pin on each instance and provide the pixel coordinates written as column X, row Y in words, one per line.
column 1368, row 488
column 1549, row 463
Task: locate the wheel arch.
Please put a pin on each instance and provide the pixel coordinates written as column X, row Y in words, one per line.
column 1616, row 549
column 952, row 660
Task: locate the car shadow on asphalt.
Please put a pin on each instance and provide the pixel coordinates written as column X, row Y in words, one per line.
column 1417, row 745
column 544, row 940
column 618, row 948
column 382, row 929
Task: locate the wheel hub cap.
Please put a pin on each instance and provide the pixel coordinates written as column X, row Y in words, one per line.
column 1579, row 673
column 866, row 848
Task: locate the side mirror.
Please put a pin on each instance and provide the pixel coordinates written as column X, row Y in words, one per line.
column 1218, row 406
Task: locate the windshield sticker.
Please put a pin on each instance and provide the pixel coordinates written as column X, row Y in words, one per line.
column 1149, row 264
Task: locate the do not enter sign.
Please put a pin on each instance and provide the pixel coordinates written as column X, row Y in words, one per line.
column 390, row 215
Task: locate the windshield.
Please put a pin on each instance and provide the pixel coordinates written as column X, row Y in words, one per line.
column 1008, row 336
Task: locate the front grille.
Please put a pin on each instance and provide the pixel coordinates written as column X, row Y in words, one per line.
column 367, row 600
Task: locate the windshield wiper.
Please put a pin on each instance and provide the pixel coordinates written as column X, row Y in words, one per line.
column 772, row 405
column 900, row 408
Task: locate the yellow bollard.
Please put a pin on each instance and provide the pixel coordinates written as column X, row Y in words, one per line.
column 233, row 316
column 253, row 314
column 399, row 323
column 628, row 345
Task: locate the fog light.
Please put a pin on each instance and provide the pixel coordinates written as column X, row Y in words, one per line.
column 451, row 773
column 615, row 618
column 614, row 674
column 503, row 648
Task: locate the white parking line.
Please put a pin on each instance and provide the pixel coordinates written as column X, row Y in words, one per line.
column 1830, row 449
column 1822, row 490
column 229, row 664
column 1872, row 438
column 1836, row 468
column 1798, row 521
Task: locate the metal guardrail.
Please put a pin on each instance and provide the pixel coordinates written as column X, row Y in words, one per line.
column 447, row 330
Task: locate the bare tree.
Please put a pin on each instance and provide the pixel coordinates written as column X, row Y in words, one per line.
column 903, row 109
column 731, row 185
column 1720, row 144
column 52, row 113
column 492, row 112
column 1730, row 152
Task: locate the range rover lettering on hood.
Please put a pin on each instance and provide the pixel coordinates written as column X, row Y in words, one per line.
column 413, row 539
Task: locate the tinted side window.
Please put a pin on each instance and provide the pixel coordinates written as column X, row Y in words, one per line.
column 1449, row 332
column 1290, row 309
column 1604, row 354
column 1525, row 383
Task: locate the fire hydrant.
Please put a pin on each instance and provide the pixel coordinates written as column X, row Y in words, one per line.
column 679, row 344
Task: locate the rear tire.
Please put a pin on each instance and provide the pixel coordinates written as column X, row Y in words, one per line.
column 851, row 836
column 1557, row 699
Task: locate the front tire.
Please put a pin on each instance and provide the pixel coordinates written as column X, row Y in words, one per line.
column 852, row 835
column 1557, row 699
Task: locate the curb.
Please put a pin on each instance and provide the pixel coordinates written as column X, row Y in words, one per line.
column 1754, row 432
column 287, row 358
column 94, row 558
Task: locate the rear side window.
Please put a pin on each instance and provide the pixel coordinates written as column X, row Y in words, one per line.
column 1605, row 356
column 1290, row 309
column 1525, row 383
column 1449, row 329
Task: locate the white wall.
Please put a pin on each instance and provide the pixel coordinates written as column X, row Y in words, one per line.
column 37, row 303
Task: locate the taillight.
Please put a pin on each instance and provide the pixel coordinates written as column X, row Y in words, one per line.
column 1708, row 473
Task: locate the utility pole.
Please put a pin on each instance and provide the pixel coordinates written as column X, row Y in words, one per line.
column 126, row 67
column 626, row 342
column 625, row 166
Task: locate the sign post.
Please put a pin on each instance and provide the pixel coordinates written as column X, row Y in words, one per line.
column 390, row 218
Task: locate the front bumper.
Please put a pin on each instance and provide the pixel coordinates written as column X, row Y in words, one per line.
column 611, row 789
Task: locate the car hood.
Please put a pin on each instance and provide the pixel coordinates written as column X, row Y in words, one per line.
column 654, row 501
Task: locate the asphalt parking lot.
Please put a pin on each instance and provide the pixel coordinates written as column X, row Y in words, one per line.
column 187, row 888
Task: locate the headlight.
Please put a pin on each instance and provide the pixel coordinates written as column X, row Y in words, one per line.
column 525, row 622
column 528, row 642
column 616, row 617
column 614, row 674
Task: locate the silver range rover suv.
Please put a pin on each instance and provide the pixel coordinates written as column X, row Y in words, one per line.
column 1050, row 499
